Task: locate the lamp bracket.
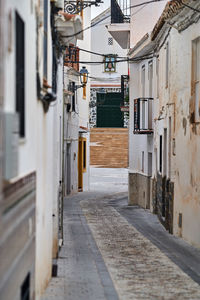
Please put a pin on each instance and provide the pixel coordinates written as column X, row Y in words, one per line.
column 75, row 7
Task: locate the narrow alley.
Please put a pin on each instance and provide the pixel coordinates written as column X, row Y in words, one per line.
column 99, row 149
column 115, row 251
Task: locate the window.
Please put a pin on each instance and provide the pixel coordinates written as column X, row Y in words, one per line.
column 150, row 125
column 20, row 72
column 110, row 63
column 141, row 126
column 196, row 78
column 45, row 40
column 165, row 152
column 160, row 165
column 84, row 155
column 72, row 57
column 167, row 65
column 71, row 88
column 150, row 164
column 142, row 162
column 157, row 74
column 150, row 79
column 143, row 95
column 25, row 288
column 110, row 41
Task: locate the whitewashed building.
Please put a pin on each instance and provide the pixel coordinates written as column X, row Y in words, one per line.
column 31, row 59
column 106, row 75
column 164, row 138
column 176, row 118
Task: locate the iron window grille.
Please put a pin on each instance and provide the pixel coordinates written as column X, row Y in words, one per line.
column 72, row 57
column 117, row 16
column 143, row 116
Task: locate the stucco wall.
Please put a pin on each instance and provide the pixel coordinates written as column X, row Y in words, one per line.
column 138, row 189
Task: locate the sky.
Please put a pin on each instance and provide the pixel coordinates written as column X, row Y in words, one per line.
column 97, row 10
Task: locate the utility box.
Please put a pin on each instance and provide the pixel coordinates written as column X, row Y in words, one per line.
column 10, row 145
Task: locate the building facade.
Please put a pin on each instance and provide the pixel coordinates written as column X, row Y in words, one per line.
column 165, row 133
column 34, row 121
column 106, row 77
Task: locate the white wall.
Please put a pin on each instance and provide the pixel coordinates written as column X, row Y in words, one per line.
column 99, row 36
column 84, row 103
column 143, row 19
column 176, row 100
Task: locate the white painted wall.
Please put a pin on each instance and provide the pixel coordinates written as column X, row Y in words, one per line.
column 176, row 102
column 138, row 143
column 143, row 19
column 99, row 37
column 83, row 104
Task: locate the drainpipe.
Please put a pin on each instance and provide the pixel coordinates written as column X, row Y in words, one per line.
column 63, row 157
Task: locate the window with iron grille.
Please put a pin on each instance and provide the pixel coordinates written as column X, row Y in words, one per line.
column 72, row 57
column 141, row 120
column 20, row 71
column 110, row 41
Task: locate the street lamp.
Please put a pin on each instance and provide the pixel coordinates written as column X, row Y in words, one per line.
column 76, row 6
column 83, row 79
column 83, row 76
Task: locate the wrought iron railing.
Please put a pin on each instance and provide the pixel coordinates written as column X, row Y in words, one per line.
column 117, row 16
column 143, row 116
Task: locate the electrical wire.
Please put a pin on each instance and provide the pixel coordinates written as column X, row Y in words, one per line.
column 148, row 56
column 146, row 2
column 133, row 6
column 96, row 53
column 92, row 25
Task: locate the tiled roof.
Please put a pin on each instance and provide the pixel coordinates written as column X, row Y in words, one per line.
column 171, row 9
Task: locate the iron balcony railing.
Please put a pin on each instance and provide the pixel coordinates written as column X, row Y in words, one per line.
column 143, row 123
column 117, row 16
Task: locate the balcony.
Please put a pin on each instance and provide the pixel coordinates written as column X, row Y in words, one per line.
column 72, row 57
column 143, row 116
column 120, row 25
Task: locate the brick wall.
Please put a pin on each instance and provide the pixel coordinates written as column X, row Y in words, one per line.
column 109, row 147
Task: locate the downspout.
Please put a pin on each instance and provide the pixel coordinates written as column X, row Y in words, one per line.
column 63, row 157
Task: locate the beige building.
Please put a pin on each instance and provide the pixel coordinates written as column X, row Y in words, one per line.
column 32, row 112
column 164, row 128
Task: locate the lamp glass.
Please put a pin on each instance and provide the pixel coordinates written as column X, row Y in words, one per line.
column 84, row 75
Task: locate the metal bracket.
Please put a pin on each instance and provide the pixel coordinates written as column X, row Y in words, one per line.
column 75, row 7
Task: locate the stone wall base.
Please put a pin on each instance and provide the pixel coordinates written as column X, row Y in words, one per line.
column 139, row 190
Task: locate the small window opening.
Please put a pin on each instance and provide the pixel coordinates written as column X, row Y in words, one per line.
column 25, row 288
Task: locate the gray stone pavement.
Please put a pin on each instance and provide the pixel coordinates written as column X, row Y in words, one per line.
column 113, row 251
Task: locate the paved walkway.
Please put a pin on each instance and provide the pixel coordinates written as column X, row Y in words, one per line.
column 113, row 251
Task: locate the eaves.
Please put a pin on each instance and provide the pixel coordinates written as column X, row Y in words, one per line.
column 143, row 49
column 176, row 15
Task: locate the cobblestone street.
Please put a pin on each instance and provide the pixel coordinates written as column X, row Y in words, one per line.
column 114, row 251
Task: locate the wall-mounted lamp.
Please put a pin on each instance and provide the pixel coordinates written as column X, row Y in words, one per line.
column 84, row 76
column 75, row 7
column 83, row 79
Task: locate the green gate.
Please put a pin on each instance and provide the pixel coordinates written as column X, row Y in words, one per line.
column 108, row 110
